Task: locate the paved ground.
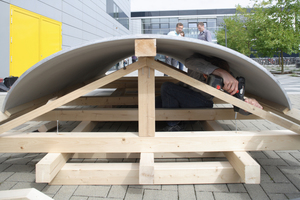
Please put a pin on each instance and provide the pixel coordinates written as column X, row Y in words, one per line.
column 280, row 172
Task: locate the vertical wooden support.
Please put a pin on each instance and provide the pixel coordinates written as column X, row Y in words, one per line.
column 146, row 169
column 146, row 92
column 146, row 88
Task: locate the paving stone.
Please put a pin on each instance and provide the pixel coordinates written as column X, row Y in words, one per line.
column 266, row 178
column 7, row 185
column 2, row 159
column 277, row 196
column 151, row 187
column 231, row 196
column 22, row 177
column 295, row 179
column 289, row 169
column 236, row 187
column 205, row 195
column 212, row 188
column 134, row 194
column 92, row 191
column 20, row 168
column 289, row 159
column 169, row 187
column 271, row 154
column 160, row 194
column 117, row 191
column 186, row 192
column 276, row 175
column 293, row 196
column 65, row 192
column 271, row 161
column 79, row 198
column 96, row 198
column 19, row 161
column 5, row 175
column 296, row 155
column 256, row 192
column 24, row 185
column 51, row 189
column 275, row 188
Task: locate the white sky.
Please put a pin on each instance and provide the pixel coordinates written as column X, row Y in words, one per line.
column 156, row 5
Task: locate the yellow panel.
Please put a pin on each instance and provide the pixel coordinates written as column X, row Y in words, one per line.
column 24, row 46
column 50, row 37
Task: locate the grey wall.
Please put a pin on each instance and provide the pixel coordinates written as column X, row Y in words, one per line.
column 82, row 20
column 4, row 39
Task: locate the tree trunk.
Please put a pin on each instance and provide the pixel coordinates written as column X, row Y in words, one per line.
column 281, row 61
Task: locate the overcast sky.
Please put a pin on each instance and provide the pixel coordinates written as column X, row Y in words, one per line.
column 155, row 5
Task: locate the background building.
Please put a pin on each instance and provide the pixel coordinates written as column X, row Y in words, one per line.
column 33, row 29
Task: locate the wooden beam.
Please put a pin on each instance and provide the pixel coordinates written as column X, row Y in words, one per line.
column 50, row 165
column 166, row 69
column 146, row 168
column 156, row 155
column 71, row 96
column 145, row 47
column 128, row 173
column 131, row 114
column 85, row 126
column 103, row 101
column 146, row 108
column 245, row 166
column 23, row 194
column 48, row 126
column 125, row 142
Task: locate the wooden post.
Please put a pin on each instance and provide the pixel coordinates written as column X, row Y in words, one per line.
column 146, row 169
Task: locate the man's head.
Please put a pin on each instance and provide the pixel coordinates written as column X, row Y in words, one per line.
column 200, row 26
column 179, row 27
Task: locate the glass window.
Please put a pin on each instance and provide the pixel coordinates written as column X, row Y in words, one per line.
column 192, row 24
column 155, row 20
column 173, row 25
column 164, row 20
column 164, row 26
column 146, row 21
column 184, row 22
column 155, row 26
column 173, row 20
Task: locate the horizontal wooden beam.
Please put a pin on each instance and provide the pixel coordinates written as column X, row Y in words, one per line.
column 164, row 173
column 126, row 142
column 131, row 114
column 156, row 155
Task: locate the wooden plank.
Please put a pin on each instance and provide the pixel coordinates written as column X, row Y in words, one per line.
column 156, row 155
column 131, row 114
column 146, row 168
column 128, row 173
column 71, row 96
column 48, row 126
column 145, row 47
column 85, row 126
column 103, row 101
column 50, row 165
column 23, row 194
column 166, row 69
column 245, row 166
column 146, row 108
column 125, row 142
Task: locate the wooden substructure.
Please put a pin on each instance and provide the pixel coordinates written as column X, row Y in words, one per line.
column 147, row 144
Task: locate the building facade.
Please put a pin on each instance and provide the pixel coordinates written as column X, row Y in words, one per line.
column 162, row 22
column 33, row 29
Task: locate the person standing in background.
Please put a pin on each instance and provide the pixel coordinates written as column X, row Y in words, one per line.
column 179, row 27
column 204, row 34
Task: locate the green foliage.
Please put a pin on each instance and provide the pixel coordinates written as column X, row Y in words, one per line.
column 272, row 27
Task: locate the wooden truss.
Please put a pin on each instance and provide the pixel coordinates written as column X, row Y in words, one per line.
column 147, row 144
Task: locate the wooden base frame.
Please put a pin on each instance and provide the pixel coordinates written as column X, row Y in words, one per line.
column 147, row 144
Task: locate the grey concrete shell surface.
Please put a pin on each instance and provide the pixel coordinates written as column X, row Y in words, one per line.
column 95, row 58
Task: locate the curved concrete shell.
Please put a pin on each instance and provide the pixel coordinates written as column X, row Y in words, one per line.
column 95, row 58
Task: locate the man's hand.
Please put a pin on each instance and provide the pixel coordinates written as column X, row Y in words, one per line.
column 230, row 83
column 253, row 102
